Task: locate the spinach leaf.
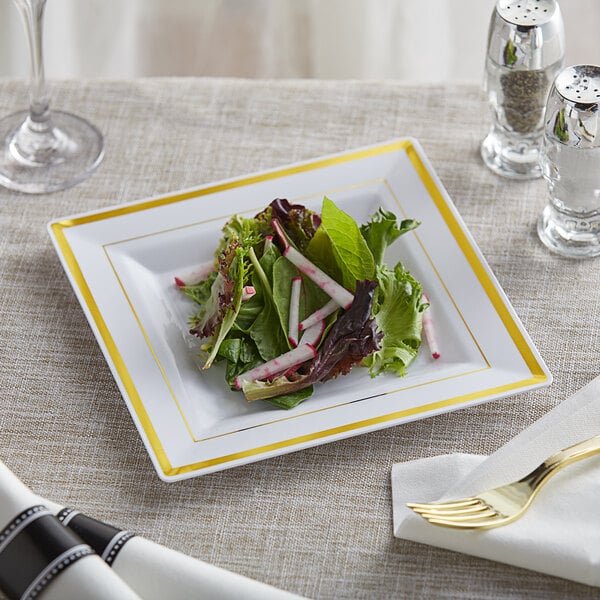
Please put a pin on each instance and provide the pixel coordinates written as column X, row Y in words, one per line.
column 292, row 399
column 268, row 332
column 339, row 248
column 241, row 355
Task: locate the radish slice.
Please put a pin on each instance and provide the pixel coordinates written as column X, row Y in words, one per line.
column 313, row 334
column 319, row 315
column 248, row 292
column 280, row 233
column 294, row 311
column 268, row 243
column 331, row 287
column 282, row 363
column 429, row 331
column 291, row 370
column 195, row 275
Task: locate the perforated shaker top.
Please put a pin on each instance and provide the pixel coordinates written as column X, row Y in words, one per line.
column 580, row 84
column 527, row 13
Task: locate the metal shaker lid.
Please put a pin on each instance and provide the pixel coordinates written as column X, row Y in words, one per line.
column 526, row 34
column 580, row 85
column 572, row 115
column 527, row 13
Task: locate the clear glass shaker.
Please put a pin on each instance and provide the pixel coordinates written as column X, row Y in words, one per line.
column 524, row 54
column 570, row 223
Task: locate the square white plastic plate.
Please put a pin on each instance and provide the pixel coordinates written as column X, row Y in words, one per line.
column 122, row 261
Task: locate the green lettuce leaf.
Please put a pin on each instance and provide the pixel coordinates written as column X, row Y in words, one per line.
column 248, row 232
column 207, row 295
column 398, row 309
column 237, row 272
column 382, row 230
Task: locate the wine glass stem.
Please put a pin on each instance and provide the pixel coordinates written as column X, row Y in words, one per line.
column 32, row 13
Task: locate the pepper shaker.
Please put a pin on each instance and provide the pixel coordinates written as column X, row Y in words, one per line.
column 525, row 52
column 570, row 158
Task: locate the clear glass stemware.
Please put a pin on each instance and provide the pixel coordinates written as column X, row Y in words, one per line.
column 43, row 150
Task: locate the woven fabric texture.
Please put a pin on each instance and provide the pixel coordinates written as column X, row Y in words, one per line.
column 316, row 522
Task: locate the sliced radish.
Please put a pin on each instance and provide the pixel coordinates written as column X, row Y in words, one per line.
column 319, row 315
column 291, row 370
column 248, row 292
column 280, row 233
column 429, row 331
column 195, row 275
column 313, row 334
column 294, row 311
column 331, row 287
column 282, row 363
column 268, row 243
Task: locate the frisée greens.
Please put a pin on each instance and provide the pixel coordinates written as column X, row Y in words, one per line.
column 297, row 297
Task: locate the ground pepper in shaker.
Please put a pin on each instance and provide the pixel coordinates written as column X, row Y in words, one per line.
column 524, row 54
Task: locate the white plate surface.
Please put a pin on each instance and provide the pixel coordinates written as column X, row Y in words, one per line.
column 121, row 262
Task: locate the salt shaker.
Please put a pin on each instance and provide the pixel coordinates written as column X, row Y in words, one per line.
column 570, row 158
column 524, row 54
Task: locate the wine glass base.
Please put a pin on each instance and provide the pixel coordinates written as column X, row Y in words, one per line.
column 560, row 239
column 514, row 160
column 75, row 151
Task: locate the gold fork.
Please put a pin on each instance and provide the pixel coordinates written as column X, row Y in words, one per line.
column 507, row 503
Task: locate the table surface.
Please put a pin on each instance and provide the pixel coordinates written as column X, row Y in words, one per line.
column 316, row 522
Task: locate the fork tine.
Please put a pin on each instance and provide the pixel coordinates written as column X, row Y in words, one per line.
column 442, row 505
column 474, row 512
column 467, row 506
column 486, row 523
column 484, row 513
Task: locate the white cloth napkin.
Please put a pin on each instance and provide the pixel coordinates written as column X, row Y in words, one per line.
column 141, row 570
column 560, row 532
column 155, row 572
column 90, row 576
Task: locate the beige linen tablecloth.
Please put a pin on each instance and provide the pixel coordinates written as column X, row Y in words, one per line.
column 316, row 522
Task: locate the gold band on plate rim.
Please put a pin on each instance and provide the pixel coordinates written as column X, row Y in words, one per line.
column 538, row 374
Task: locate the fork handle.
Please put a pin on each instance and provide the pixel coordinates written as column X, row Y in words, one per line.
column 563, row 458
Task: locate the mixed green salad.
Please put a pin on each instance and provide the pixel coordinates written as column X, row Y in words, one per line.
column 297, row 297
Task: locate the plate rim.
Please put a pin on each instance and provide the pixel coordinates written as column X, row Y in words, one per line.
column 540, row 375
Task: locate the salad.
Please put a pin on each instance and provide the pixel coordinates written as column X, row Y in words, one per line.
column 296, row 298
